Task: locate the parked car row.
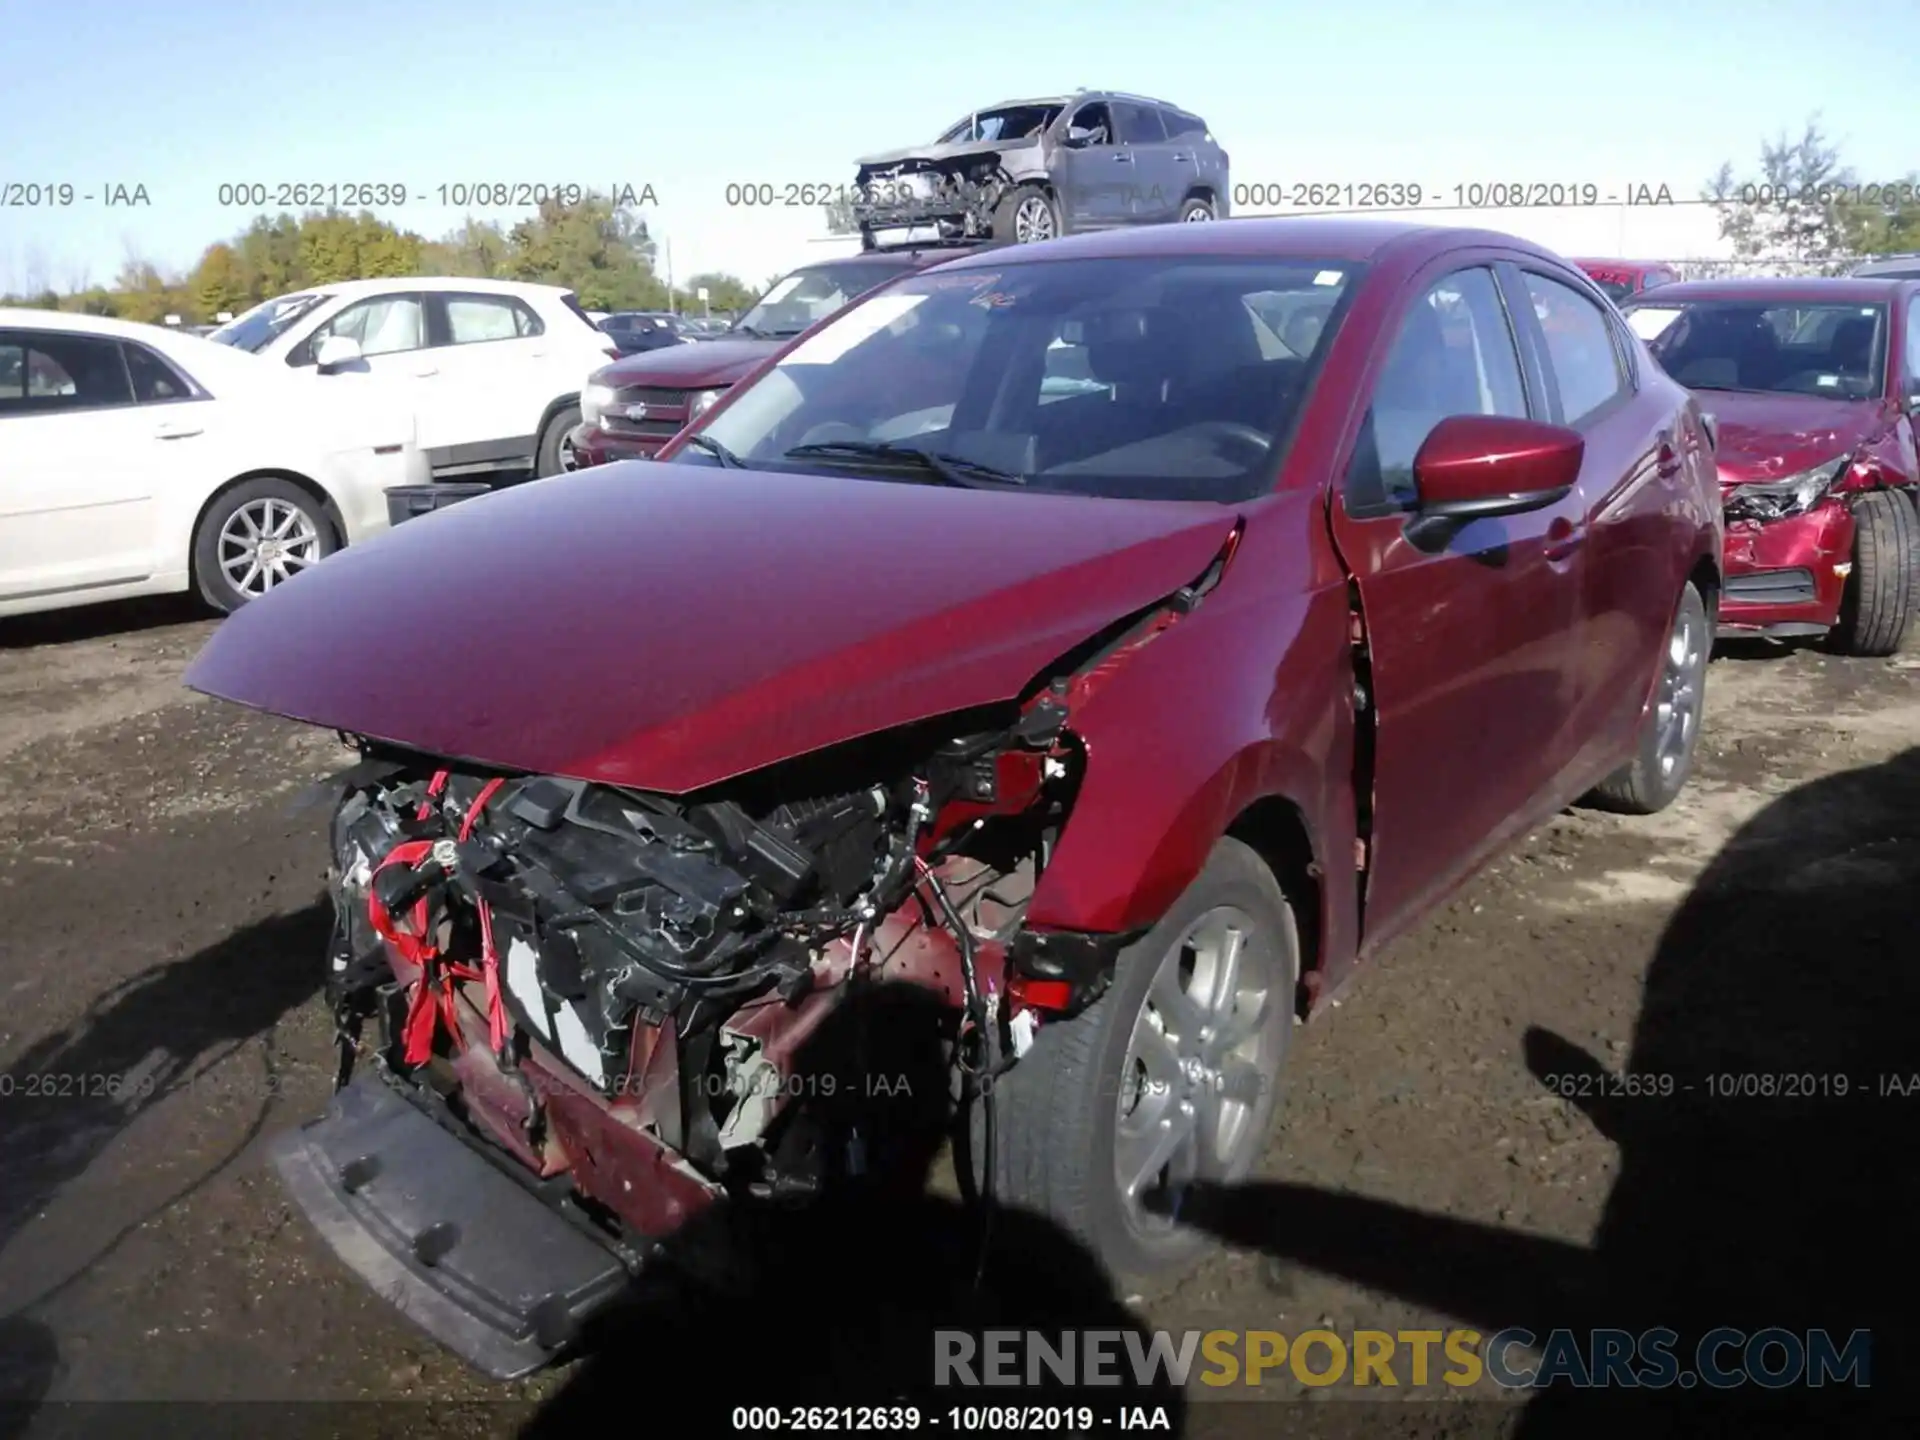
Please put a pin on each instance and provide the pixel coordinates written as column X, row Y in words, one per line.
column 1050, row 676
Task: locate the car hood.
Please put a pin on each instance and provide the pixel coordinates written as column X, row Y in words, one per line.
column 946, row 154
column 694, row 366
column 1769, row 437
column 666, row 627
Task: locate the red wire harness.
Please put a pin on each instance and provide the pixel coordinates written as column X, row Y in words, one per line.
column 430, row 1003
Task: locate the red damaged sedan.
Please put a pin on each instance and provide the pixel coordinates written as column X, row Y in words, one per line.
column 1814, row 385
column 1035, row 688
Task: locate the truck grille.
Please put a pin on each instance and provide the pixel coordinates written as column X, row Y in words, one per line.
column 666, row 412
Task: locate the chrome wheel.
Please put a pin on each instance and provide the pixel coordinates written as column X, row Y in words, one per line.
column 569, row 457
column 1033, row 221
column 1204, row 1053
column 1677, row 712
column 266, row 542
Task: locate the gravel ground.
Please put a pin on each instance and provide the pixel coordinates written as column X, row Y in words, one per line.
column 161, row 918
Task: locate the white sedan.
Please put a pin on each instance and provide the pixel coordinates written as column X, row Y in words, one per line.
column 136, row 460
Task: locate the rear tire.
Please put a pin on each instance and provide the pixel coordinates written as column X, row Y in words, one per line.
column 1196, row 210
column 1670, row 732
column 236, row 555
column 547, row 459
column 1884, row 588
column 1058, row 1112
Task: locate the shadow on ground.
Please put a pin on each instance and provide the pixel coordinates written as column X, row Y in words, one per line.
column 838, row 1301
column 1775, row 1187
column 91, row 622
column 72, row 1093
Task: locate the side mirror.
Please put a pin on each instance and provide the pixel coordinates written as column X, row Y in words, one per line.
column 335, row 353
column 1478, row 467
column 1080, row 135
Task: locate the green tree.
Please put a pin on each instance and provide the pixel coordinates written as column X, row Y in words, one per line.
column 599, row 250
column 724, row 292
column 1804, row 207
column 218, row 282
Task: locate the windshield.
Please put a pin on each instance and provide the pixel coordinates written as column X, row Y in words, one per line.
column 258, row 328
column 1147, row 377
column 1785, row 348
column 807, row 297
column 1010, row 122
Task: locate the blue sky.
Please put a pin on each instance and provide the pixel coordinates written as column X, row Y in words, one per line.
column 183, row 97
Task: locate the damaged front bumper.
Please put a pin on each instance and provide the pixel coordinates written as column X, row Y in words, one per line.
column 960, row 203
column 473, row 1255
column 1786, row 577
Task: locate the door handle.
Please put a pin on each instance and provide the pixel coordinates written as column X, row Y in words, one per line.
column 1181, row 155
column 1123, row 158
column 1563, row 539
column 172, row 430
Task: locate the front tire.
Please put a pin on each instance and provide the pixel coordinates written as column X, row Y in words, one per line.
column 1170, row 1077
column 1670, row 732
column 254, row 538
column 550, row 458
column 1027, row 216
column 1884, row 588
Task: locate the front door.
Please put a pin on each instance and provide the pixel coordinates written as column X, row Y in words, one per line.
column 1092, row 180
column 1472, row 679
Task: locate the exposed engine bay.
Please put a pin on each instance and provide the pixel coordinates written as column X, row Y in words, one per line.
column 528, row 943
column 959, row 194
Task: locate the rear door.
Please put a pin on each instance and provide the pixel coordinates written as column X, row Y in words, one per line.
column 85, row 464
column 1635, row 444
column 1157, row 183
column 493, row 353
column 1471, row 645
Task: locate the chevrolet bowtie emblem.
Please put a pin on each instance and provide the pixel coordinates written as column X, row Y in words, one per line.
column 636, row 412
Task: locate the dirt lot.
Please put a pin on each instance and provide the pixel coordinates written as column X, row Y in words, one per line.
column 160, row 919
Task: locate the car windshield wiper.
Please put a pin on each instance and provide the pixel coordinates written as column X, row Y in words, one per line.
column 951, row 469
column 710, row 446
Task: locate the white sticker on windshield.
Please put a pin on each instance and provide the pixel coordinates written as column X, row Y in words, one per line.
column 1329, row 277
column 860, row 323
column 1649, row 323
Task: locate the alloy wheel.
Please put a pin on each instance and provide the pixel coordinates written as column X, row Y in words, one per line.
column 569, row 458
column 1678, row 709
column 1033, row 221
column 266, row 542
column 1202, row 1054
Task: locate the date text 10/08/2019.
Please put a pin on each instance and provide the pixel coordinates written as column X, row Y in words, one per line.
column 955, row 1419
column 1732, row 1085
column 1477, row 195
column 393, row 194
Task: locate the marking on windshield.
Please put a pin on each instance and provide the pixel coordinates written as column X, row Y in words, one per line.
column 1329, row 277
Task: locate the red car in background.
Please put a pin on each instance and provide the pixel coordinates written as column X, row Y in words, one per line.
column 1045, row 680
column 1623, row 279
column 1814, row 385
column 629, row 409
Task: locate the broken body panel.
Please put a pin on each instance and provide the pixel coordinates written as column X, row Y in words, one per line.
column 671, row 773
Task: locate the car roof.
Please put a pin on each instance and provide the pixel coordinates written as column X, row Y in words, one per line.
column 23, row 318
column 1282, row 238
column 1889, row 266
column 1636, row 267
column 467, row 283
column 1835, row 289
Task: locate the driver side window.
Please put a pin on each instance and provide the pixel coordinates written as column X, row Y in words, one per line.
column 1093, row 116
column 1454, row 355
column 1913, row 346
column 384, row 325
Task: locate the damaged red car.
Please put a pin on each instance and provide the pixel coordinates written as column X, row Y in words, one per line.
column 1033, row 691
column 1814, row 386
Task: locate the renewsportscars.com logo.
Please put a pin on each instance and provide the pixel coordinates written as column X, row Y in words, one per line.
column 1513, row 1359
